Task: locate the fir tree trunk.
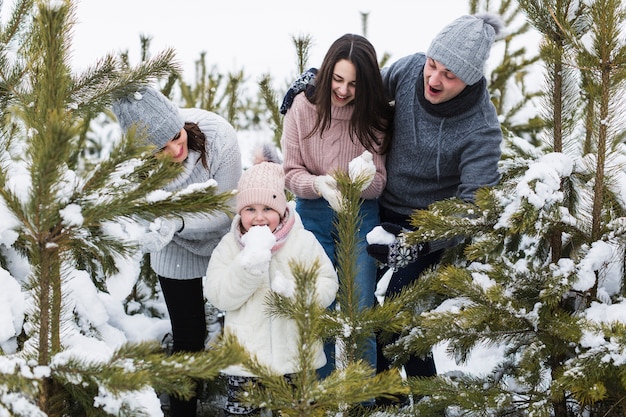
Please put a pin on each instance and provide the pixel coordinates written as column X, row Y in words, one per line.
column 590, row 114
column 557, row 143
column 45, row 288
column 598, row 189
column 50, row 303
column 559, row 404
column 57, row 299
column 601, row 155
column 555, row 239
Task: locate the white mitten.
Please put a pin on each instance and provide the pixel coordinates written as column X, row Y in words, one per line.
column 362, row 168
column 256, row 254
column 281, row 285
column 161, row 231
column 326, row 186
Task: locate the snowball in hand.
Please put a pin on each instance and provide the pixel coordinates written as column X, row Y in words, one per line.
column 362, row 167
column 259, row 237
column 379, row 236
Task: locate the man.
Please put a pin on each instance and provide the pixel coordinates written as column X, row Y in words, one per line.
column 446, row 143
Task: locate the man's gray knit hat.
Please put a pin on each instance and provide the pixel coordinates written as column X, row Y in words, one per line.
column 153, row 115
column 464, row 45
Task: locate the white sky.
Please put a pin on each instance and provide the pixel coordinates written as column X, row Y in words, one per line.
column 253, row 35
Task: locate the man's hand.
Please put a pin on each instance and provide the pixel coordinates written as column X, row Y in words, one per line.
column 306, row 79
column 387, row 244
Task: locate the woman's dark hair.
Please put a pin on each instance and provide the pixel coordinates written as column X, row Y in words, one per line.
column 373, row 113
column 196, row 141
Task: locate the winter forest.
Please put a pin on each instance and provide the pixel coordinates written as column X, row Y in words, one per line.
column 538, row 281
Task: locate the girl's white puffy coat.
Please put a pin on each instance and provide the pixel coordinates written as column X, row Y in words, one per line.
column 242, row 296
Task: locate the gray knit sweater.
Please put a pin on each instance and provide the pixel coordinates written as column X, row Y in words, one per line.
column 187, row 255
column 435, row 158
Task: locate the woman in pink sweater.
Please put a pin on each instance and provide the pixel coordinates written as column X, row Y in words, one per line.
column 327, row 126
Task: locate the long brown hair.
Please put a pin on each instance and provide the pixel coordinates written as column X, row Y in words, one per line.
column 373, row 113
column 196, row 141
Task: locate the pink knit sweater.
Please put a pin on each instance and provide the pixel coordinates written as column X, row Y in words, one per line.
column 304, row 159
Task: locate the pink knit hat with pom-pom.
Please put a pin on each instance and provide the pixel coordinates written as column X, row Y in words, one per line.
column 263, row 183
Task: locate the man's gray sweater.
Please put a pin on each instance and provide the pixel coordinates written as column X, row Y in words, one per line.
column 435, row 158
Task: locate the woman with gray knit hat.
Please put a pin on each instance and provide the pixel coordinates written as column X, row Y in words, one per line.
column 180, row 248
column 446, row 143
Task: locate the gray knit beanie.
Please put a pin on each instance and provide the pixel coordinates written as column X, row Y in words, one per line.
column 463, row 46
column 151, row 113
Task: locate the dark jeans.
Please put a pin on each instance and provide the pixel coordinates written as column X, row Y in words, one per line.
column 414, row 366
column 185, row 304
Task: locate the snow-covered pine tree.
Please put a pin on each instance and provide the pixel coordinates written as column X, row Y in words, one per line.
column 65, row 210
column 541, row 274
column 215, row 92
column 269, row 96
column 270, row 101
column 508, row 80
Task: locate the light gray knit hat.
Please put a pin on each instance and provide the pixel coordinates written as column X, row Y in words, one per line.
column 463, row 46
column 151, row 113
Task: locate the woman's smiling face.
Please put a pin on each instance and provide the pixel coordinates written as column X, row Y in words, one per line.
column 177, row 147
column 343, row 84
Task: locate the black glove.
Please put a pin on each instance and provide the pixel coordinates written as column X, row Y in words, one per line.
column 397, row 254
column 306, row 79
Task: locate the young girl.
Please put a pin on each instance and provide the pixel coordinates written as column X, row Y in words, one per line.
column 253, row 260
column 326, row 127
column 207, row 147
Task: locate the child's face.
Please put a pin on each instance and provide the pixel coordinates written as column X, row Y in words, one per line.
column 259, row 215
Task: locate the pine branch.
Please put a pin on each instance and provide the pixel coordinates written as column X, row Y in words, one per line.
column 355, row 382
column 132, row 367
column 269, row 98
column 467, row 394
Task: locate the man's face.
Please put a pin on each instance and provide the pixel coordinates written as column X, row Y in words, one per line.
column 440, row 84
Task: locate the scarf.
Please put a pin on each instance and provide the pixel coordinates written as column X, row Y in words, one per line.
column 281, row 232
column 456, row 105
column 189, row 165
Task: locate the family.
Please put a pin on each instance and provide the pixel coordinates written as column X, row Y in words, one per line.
column 419, row 131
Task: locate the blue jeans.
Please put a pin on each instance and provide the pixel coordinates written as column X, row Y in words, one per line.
column 318, row 217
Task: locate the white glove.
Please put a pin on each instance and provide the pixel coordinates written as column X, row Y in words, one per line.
column 362, row 168
column 161, row 231
column 256, row 254
column 326, row 186
column 281, row 285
